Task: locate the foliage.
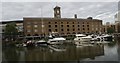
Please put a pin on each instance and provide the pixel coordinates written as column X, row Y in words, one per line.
column 11, row 30
column 110, row 30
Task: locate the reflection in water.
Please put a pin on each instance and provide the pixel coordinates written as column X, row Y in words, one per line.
column 54, row 53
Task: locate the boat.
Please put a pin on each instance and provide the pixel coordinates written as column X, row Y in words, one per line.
column 83, row 38
column 41, row 42
column 58, row 40
column 29, row 43
column 108, row 37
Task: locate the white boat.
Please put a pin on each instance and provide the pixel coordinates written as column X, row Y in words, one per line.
column 41, row 42
column 82, row 37
column 59, row 40
column 108, row 37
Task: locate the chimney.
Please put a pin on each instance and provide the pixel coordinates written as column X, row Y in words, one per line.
column 89, row 18
column 75, row 15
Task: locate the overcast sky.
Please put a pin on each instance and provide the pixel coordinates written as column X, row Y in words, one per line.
column 97, row 10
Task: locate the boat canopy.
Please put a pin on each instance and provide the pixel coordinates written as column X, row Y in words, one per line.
column 80, row 35
column 59, row 38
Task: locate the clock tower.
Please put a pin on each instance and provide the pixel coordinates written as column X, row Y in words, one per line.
column 57, row 12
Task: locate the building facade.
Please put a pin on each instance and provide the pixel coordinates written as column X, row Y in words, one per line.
column 61, row 26
column 117, row 22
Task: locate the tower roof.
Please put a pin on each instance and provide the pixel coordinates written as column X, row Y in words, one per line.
column 56, row 7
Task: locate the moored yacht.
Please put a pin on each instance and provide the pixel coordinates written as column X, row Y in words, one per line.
column 41, row 42
column 58, row 40
column 82, row 37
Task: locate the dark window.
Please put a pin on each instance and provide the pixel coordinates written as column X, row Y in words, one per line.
column 78, row 29
column 49, row 22
column 73, row 22
column 73, row 29
column 55, row 22
column 36, row 35
column 87, row 25
column 88, row 28
column 61, row 25
column 73, row 25
column 78, row 22
column 67, row 25
column 67, row 29
column 49, row 30
column 62, row 22
column 79, row 33
column 78, row 25
column 68, row 33
column 62, row 30
column 83, row 25
column 73, row 33
column 83, row 22
column 49, row 25
column 83, row 28
column 67, row 22
column 28, row 34
column 55, row 25
column 56, row 30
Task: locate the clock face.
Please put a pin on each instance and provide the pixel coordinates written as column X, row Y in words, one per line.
column 57, row 11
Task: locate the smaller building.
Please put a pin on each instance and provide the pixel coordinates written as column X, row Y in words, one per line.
column 19, row 25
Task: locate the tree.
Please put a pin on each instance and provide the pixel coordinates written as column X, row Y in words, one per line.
column 110, row 30
column 11, row 31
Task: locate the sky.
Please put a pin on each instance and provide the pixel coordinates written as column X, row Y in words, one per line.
column 98, row 10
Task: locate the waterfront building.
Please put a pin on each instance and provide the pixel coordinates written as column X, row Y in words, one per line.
column 39, row 26
column 19, row 25
column 117, row 22
column 108, row 25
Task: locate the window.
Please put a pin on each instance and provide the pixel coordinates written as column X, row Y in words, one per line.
column 73, row 25
column 28, row 26
column 35, row 22
column 49, row 22
column 61, row 25
column 62, row 22
column 35, row 26
column 73, row 33
column 87, row 25
column 78, row 29
column 83, row 22
column 83, row 28
column 35, row 30
column 88, row 28
column 62, row 30
column 78, row 22
column 67, row 22
column 67, row 25
column 73, row 29
column 28, row 30
column 83, row 25
column 73, row 22
column 49, row 30
column 56, row 30
column 49, row 26
column 67, row 29
column 55, row 25
column 28, row 23
column 55, row 22
column 78, row 25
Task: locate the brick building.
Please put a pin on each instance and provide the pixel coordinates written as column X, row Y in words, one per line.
column 35, row 26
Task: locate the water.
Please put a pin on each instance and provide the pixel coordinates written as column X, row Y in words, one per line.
column 66, row 52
